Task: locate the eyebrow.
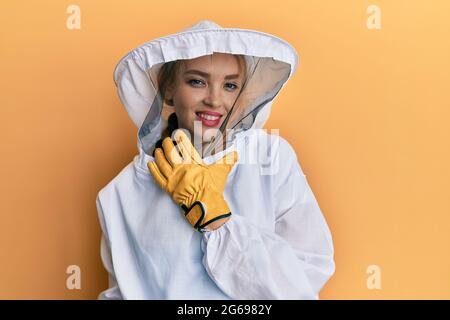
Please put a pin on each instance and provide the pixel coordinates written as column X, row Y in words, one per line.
column 206, row 75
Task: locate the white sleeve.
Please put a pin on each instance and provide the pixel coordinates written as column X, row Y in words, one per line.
column 292, row 261
column 113, row 292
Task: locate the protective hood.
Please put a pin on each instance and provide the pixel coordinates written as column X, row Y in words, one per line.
column 269, row 63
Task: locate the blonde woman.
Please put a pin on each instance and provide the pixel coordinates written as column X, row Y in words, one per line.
column 213, row 207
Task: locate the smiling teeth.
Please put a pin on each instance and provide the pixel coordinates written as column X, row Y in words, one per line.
column 207, row 116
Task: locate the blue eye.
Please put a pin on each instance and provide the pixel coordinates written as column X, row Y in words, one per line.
column 190, row 81
column 235, row 86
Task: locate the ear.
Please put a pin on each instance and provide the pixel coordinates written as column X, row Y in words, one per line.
column 169, row 102
column 168, row 97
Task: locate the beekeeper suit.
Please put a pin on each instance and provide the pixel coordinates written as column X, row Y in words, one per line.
column 276, row 245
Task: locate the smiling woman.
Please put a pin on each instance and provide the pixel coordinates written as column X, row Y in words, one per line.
column 184, row 224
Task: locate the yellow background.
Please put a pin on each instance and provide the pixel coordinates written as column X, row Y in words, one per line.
column 367, row 112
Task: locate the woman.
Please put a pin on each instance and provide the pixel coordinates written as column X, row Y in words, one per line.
column 212, row 207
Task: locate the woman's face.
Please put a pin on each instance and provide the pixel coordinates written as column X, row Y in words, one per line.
column 204, row 90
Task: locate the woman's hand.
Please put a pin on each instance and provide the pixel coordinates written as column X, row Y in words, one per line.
column 195, row 186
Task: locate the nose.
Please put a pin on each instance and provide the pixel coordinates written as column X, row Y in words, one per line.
column 213, row 97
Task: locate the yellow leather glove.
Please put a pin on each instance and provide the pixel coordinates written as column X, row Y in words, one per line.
column 196, row 187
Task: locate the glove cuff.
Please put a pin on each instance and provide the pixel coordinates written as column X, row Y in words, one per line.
column 199, row 216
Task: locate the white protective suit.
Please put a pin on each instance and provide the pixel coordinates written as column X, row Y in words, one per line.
column 277, row 244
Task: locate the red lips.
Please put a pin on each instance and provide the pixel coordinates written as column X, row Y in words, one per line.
column 211, row 113
column 207, row 122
